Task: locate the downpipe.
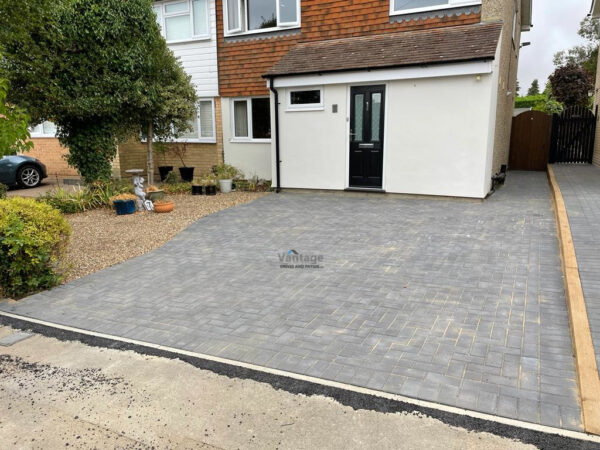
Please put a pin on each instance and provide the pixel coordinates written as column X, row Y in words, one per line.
column 276, row 112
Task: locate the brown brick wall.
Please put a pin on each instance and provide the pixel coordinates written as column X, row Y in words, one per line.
column 242, row 62
column 52, row 154
column 132, row 154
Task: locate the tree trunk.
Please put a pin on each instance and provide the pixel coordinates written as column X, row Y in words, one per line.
column 150, row 155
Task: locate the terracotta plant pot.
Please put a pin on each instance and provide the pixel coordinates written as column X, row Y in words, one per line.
column 164, row 207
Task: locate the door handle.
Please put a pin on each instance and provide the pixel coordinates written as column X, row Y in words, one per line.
column 366, row 145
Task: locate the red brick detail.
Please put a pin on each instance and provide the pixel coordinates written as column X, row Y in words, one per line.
column 243, row 62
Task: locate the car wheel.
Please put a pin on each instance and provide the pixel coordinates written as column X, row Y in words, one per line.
column 29, row 176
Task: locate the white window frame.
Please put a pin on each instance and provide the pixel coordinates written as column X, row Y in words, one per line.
column 42, row 134
column 203, row 139
column 307, row 106
column 241, row 30
column 190, row 13
column 248, row 138
column 515, row 23
column 450, row 4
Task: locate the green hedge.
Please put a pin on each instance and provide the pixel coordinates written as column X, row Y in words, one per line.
column 34, row 240
column 529, row 101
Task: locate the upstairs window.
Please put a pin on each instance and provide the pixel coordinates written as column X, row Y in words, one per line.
column 183, row 20
column 255, row 16
column 411, row 6
column 43, row 130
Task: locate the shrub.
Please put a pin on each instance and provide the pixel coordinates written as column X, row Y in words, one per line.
column 226, row 172
column 171, row 178
column 177, row 188
column 3, row 189
column 67, row 202
column 34, row 239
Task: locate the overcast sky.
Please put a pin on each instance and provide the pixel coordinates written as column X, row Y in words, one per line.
column 555, row 26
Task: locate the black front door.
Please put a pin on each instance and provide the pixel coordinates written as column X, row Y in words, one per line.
column 366, row 136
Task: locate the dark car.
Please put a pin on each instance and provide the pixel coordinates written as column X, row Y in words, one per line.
column 23, row 171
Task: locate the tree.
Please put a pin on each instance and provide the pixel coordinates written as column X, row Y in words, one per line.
column 585, row 55
column 571, row 85
column 535, row 88
column 14, row 135
column 89, row 66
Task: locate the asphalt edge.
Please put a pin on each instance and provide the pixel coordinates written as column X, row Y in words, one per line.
column 588, row 379
column 541, row 436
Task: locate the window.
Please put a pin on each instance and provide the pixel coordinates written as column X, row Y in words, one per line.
column 183, row 20
column 252, row 119
column 410, row 6
column 203, row 126
column 255, row 16
column 306, row 99
column 43, row 130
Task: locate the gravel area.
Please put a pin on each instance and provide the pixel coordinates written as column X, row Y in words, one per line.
column 101, row 239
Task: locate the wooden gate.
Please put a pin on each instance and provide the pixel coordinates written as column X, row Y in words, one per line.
column 573, row 133
column 530, row 141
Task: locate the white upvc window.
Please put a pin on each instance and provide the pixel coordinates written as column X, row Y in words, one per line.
column 43, row 130
column 259, row 16
column 305, row 99
column 203, row 125
column 414, row 6
column 183, row 20
column 251, row 119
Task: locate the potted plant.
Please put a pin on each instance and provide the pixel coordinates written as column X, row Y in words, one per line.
column 161, row 149
column 197, row 186
column 242, row 185
column 210, row 187
column 225, row 173
column 164, row 206
column 153, row 194
column 180, row 150
column 124, row 203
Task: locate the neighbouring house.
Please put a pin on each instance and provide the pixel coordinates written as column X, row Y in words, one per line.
column 595, row 13
column 405, row 96
column 46, row 148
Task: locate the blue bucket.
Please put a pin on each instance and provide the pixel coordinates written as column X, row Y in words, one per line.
column 123, row 207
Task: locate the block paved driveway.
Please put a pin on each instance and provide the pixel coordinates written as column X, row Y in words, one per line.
column 454, row 301
column 580, row 187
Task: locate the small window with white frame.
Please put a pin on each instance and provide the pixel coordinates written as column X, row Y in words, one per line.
column 257, row 16
column 183, row 20
column 413, row 6
column 251, row 119
column 203, row 125
column 43, row 130
column 305, row 99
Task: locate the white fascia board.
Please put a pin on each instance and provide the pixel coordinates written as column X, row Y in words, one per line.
column 368, row 76
column 526, row 15
column 595, row 12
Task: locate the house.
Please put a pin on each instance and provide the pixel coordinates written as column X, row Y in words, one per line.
column 595, row 12
column 401, row 96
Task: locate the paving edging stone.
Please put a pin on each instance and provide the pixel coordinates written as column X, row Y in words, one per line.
column 583, row 347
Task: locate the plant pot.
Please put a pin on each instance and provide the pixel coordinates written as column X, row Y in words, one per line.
column 155, row 195
column 196, row 190
column 123, row 207
column 210, row 190
column 164, row 171
column 225, row 186
column 187, row 173
column 164, row 207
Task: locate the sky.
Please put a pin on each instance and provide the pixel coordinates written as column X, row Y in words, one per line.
column 555, row 26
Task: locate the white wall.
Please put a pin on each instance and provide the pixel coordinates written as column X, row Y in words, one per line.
column 253, row 158
column 438, row 138
column 199, row 59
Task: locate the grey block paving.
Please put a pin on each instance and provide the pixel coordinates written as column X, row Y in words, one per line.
column 455, row 301
column 13, row 338
column 580, row 188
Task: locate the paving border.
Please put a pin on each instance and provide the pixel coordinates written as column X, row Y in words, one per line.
column 583, row 347
column 541, row 436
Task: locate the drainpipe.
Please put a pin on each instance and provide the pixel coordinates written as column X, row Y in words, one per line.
column 277, row 171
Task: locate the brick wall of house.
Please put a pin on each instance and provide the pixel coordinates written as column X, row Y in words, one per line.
column 132, row 154
column 243, row 59
column 52, row 154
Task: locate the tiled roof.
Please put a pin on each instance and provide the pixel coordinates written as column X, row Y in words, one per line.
column 409, row 48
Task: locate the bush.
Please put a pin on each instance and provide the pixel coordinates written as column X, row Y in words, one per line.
column 3, row 189
column 34, row 239
column 93, row 196
column 177, row 188
column 226, row 172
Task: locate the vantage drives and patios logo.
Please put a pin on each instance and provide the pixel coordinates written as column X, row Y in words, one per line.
column 295, row 260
